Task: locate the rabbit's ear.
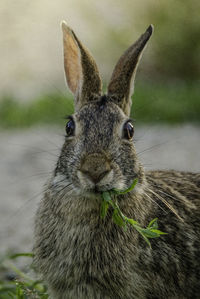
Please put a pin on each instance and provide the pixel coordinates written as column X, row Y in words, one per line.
column 121, row 85
column 80, row 69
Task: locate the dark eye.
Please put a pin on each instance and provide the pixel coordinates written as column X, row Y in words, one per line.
column 70, row 127
column 128, row 130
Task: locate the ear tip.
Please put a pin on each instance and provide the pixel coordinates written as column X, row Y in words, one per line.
column 64, row 26
column 150, row 29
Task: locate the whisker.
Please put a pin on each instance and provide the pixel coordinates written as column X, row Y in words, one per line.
column 64, row 187
column 142, row 137
column 152, row 147
column 166, row 203
column 152, row 200
column 48, row 140
column 65, row 191
column 180, row 180
column 26, row 178
column 37, row 150
column 161, row 191
column 44, row 152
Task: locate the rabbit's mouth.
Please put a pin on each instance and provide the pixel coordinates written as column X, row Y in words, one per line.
column 83, row 185
column 107, row 182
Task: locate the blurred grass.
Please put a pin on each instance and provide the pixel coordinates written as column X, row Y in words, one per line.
column 175, row 45
column 169, row 103
column 49, row 109
column 19, row 282
column 173, row 103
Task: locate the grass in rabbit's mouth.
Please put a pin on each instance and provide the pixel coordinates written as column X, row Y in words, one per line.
column 109, row 199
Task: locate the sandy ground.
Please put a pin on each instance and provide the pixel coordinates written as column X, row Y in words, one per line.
column 27, row 158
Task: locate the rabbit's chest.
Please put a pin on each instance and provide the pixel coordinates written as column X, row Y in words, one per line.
column 94, row 256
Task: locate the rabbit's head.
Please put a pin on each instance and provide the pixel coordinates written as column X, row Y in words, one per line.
column 98, row 153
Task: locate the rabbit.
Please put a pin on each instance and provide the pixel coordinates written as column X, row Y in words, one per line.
column 76, row 252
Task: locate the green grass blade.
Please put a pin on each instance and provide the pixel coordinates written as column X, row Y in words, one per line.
column 117, row 218
column 121, row 220
column 25, row 254
column 153, row 223
column 118, row 192
column 106, row 196
column 104, row 208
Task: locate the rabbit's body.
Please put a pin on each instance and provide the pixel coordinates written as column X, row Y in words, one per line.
column 79, row 254
column 83, row 256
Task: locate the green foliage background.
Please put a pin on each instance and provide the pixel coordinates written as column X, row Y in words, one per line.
column 176, row 46
column 152, row 103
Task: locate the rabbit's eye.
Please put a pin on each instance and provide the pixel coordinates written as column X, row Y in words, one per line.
column 70, row 126
column 128, row 130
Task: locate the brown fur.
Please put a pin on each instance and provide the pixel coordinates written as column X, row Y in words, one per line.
column 125, row 70
column 81, row 256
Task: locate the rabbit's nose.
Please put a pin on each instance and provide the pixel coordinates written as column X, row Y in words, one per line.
column 95, row 166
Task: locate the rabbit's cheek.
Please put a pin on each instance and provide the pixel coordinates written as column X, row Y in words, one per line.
column 60, row 184
column 59, row 180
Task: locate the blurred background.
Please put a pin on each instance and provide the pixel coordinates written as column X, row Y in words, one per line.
column 34, row 98
column 33, row 90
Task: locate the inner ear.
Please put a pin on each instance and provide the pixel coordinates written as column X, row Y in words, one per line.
column 72, row 62
column 80, row 69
